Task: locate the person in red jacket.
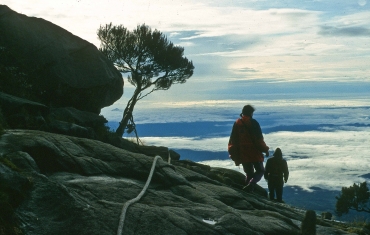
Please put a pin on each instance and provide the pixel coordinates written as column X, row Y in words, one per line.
column 247, row 136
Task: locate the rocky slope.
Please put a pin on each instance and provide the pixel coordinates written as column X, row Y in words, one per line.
column 74, row 185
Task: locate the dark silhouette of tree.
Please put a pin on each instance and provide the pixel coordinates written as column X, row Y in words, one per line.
column 355, row 197
column 153, row 62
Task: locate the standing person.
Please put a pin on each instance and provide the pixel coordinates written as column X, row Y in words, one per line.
column 247, row 136
column 276, row 173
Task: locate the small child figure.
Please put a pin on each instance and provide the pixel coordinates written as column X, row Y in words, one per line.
column 276, row 173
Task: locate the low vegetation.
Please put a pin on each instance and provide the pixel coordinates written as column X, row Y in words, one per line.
column 359, row 226
column 355, row 198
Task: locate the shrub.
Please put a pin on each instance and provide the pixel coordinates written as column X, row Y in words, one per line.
column 358, row 226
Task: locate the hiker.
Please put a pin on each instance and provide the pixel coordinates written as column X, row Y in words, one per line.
column 247, row 137
column 276, row 173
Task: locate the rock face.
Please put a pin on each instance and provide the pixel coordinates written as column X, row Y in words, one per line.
column 70, row 71
column 78, row 186
column 21, row 113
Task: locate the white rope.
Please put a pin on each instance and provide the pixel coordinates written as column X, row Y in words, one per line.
column 128, row 203
column 169, row 157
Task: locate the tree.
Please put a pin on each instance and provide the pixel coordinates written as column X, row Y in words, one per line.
column 355, row 197
column 153, row 62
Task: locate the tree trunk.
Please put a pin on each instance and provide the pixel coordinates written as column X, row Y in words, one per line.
column 127, row 114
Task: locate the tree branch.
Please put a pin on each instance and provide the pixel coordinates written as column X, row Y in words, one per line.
column 361, row 210
column 143, row 96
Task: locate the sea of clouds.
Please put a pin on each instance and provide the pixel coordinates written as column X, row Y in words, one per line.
column 325, row 142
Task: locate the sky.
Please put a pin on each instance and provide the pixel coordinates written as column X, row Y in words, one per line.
column 304, row 65
column 280, row 46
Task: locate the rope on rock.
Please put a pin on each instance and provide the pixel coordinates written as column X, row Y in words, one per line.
column 169, row 157
column 128, row 203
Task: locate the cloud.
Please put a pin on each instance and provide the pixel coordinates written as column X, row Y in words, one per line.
column 345, row 31
column 246, row 70
column 278, row 103
column 207, row 144
column 362, row 2
column 351, row 25
column 278, row 41
column 330, row 153
column 240, row 50
column 328, row 160
column 209, row 20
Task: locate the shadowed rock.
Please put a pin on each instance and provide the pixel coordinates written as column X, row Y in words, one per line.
column 21, row 113
column 70, row 71
column 79, row 187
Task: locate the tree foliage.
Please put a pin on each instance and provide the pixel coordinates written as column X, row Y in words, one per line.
column 153, row 62
column 355, row 197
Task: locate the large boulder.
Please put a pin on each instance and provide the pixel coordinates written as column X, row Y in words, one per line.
column 70, row 71
column 78, row 186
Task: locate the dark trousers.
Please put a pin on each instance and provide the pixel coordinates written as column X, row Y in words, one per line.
column 254, row 171
column 275, row 186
